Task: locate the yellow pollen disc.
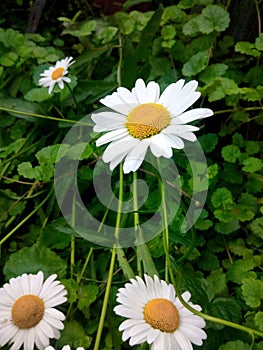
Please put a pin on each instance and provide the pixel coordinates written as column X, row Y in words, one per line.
column 57, row 73
column 162, row 314
column 27, row 311
column 146, row 120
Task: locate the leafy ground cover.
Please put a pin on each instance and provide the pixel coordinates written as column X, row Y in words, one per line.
column 219, row 258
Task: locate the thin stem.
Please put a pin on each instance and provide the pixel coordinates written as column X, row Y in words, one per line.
column 120, row 61
column 219, row 320
column 9, row 110
column 106, row 300
column 73, row 96
column 136, row 217
column 168, row 266
column 79, row 278
column 21, row 223
column 258, row 16
column 212, row 318
column 111, row 270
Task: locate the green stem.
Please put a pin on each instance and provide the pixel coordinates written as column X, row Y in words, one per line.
column 120, row 61
column 168, row 266
column 219, row 320
column 136, row 217
column 73, row 96
column 213, row 318
column 25, row 219
column 9, row 110
column 112, row 263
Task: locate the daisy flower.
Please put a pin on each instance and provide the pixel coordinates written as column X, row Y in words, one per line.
column 156, row 316
column 56, row 74
column 65, row 347
column 142, row 118
column 27, row 313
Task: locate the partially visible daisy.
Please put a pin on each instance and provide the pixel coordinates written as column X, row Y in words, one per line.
column 142, row 118
column 65, row 347
column 56, row 74
column 27, row 313
column 156, row 316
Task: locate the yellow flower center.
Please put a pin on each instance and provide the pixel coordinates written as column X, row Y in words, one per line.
column 162, row 314
column 27, row 311
column 146, row 120
column 57, row 73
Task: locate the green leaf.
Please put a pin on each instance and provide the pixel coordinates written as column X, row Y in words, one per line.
column 221, row 88
column 16, row 105
column 172, row 13
column 74, row 335
column 252, row 291
column 208, row 142
column 212, row 72
column 227, row 309
column 247, row 48
column 145, row 256
column 249, row 94
column 34, row 259
column 107, row 34
column 259, row 320
column 72, row 288
column 168, row 32
column 227, row 227
column 259, row 42
column 252, row 165
column 52, row 238
column 252, row 147
column 241, row 269
column 81, row 29
column 87, row 295
column 230, row 153
column 129, row 66
column 9, row 205
column 148, row 34
column 37, row 95
column 11, row 147
column 240, row 116
column 195, row 64
column 125, row 22
column 213, row 18
column 215, row 283
column 213, row 171
column 256, row 227
column 234, row 345
column 8, row 59
column 221, row 197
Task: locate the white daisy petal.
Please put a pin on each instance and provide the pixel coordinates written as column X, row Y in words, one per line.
column 171, row 330
column 170, row 93
column 111, row 136
column 150, row 120
column 119, row 147
column 193, row 114
column 135, row 157
column 33, row 298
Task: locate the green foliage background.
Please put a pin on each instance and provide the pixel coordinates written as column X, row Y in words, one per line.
column 220, row 259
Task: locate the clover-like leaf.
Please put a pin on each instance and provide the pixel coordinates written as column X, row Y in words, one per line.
column 252, row 291
column 33, row 259
column 230, row 153
column 195, row 64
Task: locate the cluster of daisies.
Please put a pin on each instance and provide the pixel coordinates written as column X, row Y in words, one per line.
column 134, row 122
column 140, row 119
column 153, row 313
